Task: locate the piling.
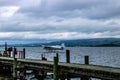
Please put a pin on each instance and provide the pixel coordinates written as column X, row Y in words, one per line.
column 22, row 71
column 68, row 60
column 14, row 52
column 24, row 51
column 14, row 69
column 86, row 59
column 57, row 56
column 5, row 46
column 43, row 57
column 55, row 68
column 9, row 51
column 14, row 65
column 68, row 56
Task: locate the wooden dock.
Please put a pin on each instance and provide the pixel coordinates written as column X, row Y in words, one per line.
column 60, row 70
column 102, row 72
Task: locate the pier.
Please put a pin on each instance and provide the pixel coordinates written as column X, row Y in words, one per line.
column 68, row 70
column 61, row 70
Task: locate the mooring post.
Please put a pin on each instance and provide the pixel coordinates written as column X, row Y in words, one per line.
column 5, row 52
column 68, row 56
column 14, row 64
column 5, row 46
column 14, row 52
column 14, row 69
column 24, row 51
column 68, row 60
column 86, row 59
column 23, row 56
column 9, row 51
column 55, row 67
column 57, row 56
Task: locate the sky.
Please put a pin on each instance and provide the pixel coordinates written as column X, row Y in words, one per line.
column 59, row 19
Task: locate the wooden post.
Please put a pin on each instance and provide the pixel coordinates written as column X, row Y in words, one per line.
column 68, row 60
column 23, row 56
column 14, row 69
column 57, row 56
column 55, row 67
column 86, row 59
column 24, row 53
column 5, row 46
column 14, row 64
column 5, row 54
column 14, row 52
column 9, row 51
column 68, row 56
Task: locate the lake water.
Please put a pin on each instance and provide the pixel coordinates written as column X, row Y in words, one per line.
column 106, row 56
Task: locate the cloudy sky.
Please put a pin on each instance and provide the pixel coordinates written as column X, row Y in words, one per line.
column 59, row 19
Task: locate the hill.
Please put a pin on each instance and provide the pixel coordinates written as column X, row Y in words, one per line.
column 102, row 42
column 96, row 42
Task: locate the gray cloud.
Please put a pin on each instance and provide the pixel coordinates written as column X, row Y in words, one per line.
column 8, row 2
column 93, row 9
column 74, row 18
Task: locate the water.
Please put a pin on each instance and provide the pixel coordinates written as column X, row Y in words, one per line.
column 106, row 56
